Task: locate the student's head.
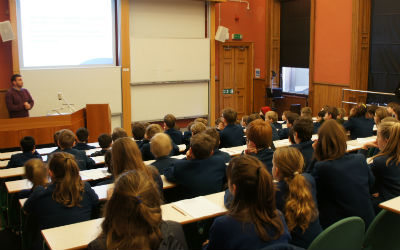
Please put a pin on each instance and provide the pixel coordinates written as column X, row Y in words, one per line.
column 359, row 110
column 160, row 145
column 66, row 139
column 321, row 115
column 284, row 115
column 253, row 196
column 371, row 111
column 331, row 113
column 259, row 133
column 202, row 146
column 105, row 141
column 202, row 120
column 302, row 130
column 388, row 138
column 132, row 215
column 16, row 81
column 197, row 128
column 214, row 134
column 55, row 137
column 152, row 130
column 138, row 130
column 291, row 117
column 243, row 122
column 27, row 144
column 82, row 135
column 271, row 116
column 126, row 156
column 331, row 142
column 36, row 172
column 306, row 112
column 394, row 109
column 64, row 173
column 380, row 114
column 189, row 126
column 383, row 134
column 118, row 133
column 229, row 115
column 300, row 208
column 108, row 161
column 253, row 117
column 342, row 113
column 169, row 121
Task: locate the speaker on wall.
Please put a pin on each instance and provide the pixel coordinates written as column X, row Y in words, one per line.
column 6, row 32
column 222, row 34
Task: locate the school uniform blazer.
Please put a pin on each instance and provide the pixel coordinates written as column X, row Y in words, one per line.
column 359, row 127
column 186, row 137
column 176, row 135
column 99, row 153
column 299, row 238
column 83, row 161
column 198, row 177
column 387, row 179
column 307, row 151
column 139, row 143
column 284, row 133
column 275, row 132
column 317, row 125
column 163, row 163
column 265, row 156
column 343, row 189
column 50, row 213
column 146, row 152
column 231, row 136
column 82, row 146
column 223, row 155
column 277, row 125
column 18, row 160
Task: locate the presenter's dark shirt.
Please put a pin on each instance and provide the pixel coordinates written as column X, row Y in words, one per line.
column 15, row 102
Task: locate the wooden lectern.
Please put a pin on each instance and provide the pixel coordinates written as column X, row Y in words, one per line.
column 95, row 117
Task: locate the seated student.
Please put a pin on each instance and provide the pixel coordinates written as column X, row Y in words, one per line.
column 243, row 121
column 37, row 173
column 302, row 133
column 272, row 117
column 343, row 180
column 380, row 114
column 160, row 147
column 331, row 113
column 169, row 125
column 55, row 137
column 200, row 174
column 136, row 224
column 232, row 135
column 108, row 165
column 118, row 133
column 151, row 131
column 284, row 116
column 253, row 117
column 28, row 152
column 66, row 200
column 126, row 156
column 291, row 117
column 105, row 142
column 252, row 222
column 197, row 128
column 394, row 109
column 371, row 111
column 202, row 120
column 66, row 141
column 82, row 135
column 341, row 116
column 219, row 124
column 386, row 164
column 217, row 153
column 306, row 112
column 296, row 196
column 320, row 120
column 358, row 125
column 187, row 134
column 259, row 142
column 138, row 130
column 263, row 111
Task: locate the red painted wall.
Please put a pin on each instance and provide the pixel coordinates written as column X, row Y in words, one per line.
column 5, row 51
column 249, row 23
column 332, row 52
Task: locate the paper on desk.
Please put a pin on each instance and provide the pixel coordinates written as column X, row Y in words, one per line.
column 182, row 156
column 199, row 207
column 181, row 147
column 45, row 151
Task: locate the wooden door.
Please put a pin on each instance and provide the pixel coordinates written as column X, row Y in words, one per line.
column 236, row 78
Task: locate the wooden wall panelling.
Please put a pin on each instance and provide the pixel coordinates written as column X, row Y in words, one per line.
column 285, row 103
column 272, row 60
column 3, row 106
column 312, row 43
column 13, row 19
column 259, row 94
column 213, row 103
column 326, row 94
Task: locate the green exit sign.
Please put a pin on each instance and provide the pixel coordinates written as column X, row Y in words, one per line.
column 237, row 37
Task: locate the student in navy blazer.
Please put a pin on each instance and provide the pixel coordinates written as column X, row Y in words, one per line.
column 138, row 131
column 151, row 131
column 343, row 180
column 291, row 117
column 386, row 165
column 66, row 140
column 169, row 125
column 320, row 120
column 302, row 132
column 217, row 153
column 232, row 135
column 105, row 142
column 358, row 125
column 37, row 173
column 259, row 142
column 82, row 135
column 200, row 174
column 28, row 152
column 161, row 146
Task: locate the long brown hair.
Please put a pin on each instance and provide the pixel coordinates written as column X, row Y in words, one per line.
column 331, row 143
column 254, row 200
column 300, row 208
column 391, row 132
column 68, row 188
column 132, row 216
column 126, row 156
column 380, row 114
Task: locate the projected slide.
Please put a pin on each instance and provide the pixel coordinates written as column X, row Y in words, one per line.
column 56, row 33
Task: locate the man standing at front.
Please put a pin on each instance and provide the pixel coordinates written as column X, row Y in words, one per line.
column 18, row 99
